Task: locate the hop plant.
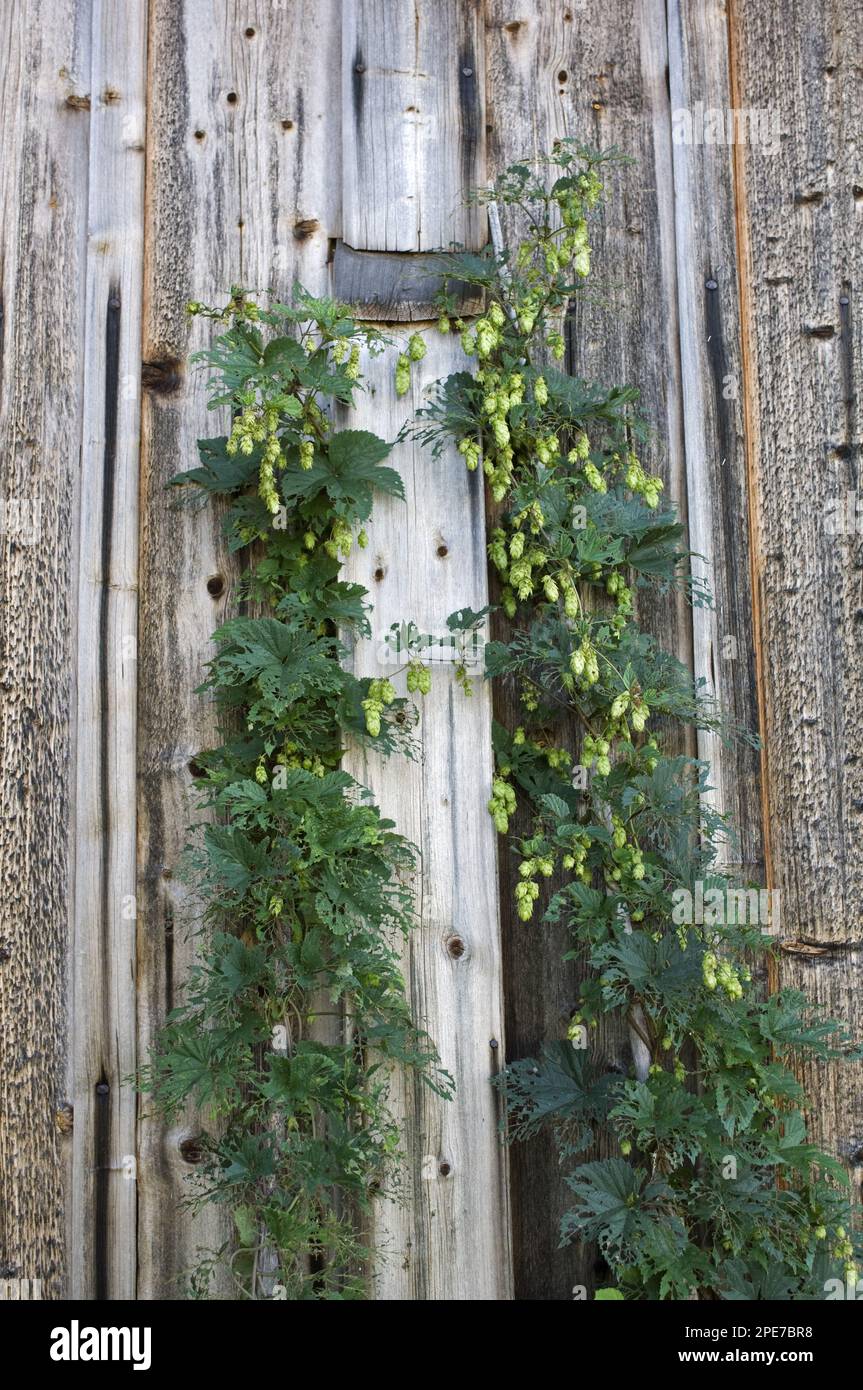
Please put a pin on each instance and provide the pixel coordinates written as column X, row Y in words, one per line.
column 418, row 678
column 403, row 374
column 352, row 370
column 341, row 539
column 584, row 663
column 380, row 694
column 502, row 804
column 580, row 450
column 469, row 448
column 306, row 876
column 629, row 837
column 595, row 478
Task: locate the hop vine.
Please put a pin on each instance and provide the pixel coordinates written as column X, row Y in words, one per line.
column 617, row 824
column 296, row 1008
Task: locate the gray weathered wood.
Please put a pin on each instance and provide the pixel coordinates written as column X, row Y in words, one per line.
column 407, row 172
column 597, row 73
column 413, row 120
column 43, row 180
column 798, row 207
column 262, row 120
column 243, row 186
column 711, row 353
column 396, row 288
column 447, row 1237
column 103, row 963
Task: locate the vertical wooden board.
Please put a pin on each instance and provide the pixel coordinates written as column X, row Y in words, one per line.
column 103, row 1041
column 243, row 187
column 799, row 209
column 831, row 980
column 447, row 1238
column 413, row 123
column 597, row 73
column 802, row 223
column 43, row 179
column 413, row 146
column 725, row 652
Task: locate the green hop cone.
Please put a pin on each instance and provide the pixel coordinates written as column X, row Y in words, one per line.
column 403, row 374
column 352, row 370
column 372, row 709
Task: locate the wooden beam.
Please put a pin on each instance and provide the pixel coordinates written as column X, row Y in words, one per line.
column 447, row 1237
column 597, row 73
column 396, row 288
column 103, row 964
column 243, row 186
column 406, row 173
column 711, row 354
column 413, row 123
column 44, row 83
column 798, row 210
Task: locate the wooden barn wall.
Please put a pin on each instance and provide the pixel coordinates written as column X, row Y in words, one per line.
column 160, row 150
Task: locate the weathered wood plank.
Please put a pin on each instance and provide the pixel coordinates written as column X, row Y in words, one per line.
column 447, row 1238
column 711, row 353
column 103, row 969
column 243, row 186
column 798, row 209
column 43, row 179
column 596, row 73
column 396, row 288
column 413, row 99
column 413, row 130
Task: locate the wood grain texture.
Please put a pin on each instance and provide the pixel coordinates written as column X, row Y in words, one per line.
column 253, row 113
column 725, row 652
column 798, row 207
column 103, row 1044
column 407, row 172
column 413, row 132
column 43, row 181
column 396, row 288
column 597, row 73
column 243, row 187
column 447, row 1238
column 413, row 122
